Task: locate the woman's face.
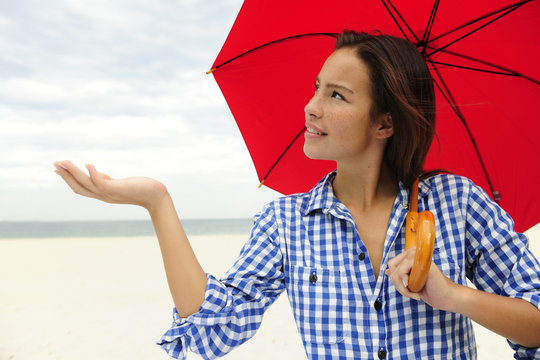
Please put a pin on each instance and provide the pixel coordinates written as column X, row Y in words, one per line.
column 338, row 122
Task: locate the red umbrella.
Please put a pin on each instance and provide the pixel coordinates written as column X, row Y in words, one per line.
column 483, row 55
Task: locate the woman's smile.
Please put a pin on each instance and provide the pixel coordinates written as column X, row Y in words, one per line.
column 313, row 132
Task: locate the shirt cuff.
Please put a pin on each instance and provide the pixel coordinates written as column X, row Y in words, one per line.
column 183, row 332
column 524, row 353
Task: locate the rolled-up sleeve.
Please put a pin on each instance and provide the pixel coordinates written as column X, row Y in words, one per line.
column 499, row 258
column 234, row 305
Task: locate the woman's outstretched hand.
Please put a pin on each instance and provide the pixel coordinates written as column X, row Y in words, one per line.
column 142, row 191
column 187, row 279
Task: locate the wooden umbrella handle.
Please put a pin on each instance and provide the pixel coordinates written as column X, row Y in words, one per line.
column 424, row 251
column 419, row 232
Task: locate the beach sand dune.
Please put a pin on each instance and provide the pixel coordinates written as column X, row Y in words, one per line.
column 107, row 298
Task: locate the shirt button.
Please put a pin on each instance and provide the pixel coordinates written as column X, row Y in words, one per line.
column 381, row 354
column 313, row 278
column 362, row 256
column 377, row 305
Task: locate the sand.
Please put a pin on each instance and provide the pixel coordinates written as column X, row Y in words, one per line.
column 107, row 298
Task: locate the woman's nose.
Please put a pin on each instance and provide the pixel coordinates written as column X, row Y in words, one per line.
column 313, row 108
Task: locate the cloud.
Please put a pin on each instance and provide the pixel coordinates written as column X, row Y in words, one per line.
column 120, row 84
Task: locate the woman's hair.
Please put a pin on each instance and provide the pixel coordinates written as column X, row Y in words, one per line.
column 402, row 86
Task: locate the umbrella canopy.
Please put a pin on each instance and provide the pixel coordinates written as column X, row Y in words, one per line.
column 483, row 55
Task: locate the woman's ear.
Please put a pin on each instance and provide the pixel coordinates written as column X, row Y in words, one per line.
column 385, row 127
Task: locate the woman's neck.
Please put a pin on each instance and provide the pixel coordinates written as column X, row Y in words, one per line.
column 365, row 188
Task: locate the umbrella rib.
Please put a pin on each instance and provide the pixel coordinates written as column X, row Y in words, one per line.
column 431, row 21
column 267, row 44
column 504, row 70
column 509, row 10
column 450, row 100
column 396, row 21
column 472, row 68
column 513, row 6
column 281, row 156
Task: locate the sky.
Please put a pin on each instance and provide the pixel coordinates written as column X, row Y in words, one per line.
column 122, row 85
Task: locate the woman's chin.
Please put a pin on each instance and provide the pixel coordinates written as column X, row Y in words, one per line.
column 315, row 154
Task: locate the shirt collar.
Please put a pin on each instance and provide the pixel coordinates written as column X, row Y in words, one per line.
column 321, row 196
column 424, row 189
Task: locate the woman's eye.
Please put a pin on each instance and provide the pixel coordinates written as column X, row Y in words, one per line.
column 337, row 95
column 316, row 87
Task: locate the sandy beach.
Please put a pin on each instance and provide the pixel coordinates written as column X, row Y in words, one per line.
column 107, row 298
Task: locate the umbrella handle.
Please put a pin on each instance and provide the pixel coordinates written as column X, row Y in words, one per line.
column 419, row 232
column 424, row 239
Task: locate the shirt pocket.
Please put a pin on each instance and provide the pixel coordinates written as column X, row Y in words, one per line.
column 317, row 300
column 448, row 266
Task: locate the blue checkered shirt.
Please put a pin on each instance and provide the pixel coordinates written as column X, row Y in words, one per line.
column 308, row 245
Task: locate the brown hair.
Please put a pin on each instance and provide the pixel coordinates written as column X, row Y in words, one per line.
column 403, row 87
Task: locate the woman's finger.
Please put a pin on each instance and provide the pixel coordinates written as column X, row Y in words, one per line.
column 397, row 260
column 80, row 176
column 394, row 262
column 74, row 184
column 400, row 274
column 399, row 270
column 101, row 181
column 95, row 177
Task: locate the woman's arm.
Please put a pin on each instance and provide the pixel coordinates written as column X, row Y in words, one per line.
column 187, row 280
column 515, row 319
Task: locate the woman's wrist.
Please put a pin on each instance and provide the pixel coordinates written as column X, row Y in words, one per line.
column 160, row 198
column 461, row 298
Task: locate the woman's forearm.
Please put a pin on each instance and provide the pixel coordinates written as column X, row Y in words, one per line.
column 187, row 279
column 515, row 319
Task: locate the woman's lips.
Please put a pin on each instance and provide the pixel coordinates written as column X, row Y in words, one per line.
column 312, row 130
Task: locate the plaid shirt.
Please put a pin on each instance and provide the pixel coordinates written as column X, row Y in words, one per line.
column 308, row 245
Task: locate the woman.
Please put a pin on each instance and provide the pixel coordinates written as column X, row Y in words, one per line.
column 338, row 250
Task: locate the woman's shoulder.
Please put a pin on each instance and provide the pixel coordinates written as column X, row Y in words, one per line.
column 452, row 186
column 304, row 202
column 288, row 203
column 448, row 182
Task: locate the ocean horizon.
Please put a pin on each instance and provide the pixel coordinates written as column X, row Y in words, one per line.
column 121, row 228
column 117, row 228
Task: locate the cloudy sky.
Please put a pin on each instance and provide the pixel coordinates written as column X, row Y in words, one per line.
column 120, row 84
